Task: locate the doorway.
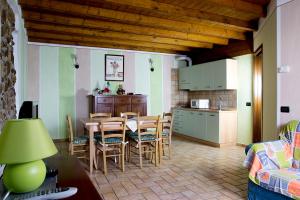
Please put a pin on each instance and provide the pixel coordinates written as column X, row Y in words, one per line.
column 257, row 95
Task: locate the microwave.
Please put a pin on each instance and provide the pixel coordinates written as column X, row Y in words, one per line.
column 199, row 103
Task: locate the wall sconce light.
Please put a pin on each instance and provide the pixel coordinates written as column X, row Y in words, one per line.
column 151, row 65
column 76, row 65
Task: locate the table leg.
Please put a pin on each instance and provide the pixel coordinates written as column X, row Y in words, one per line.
column 92, row 148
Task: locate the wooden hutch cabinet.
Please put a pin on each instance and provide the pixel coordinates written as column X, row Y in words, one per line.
column 116, row 104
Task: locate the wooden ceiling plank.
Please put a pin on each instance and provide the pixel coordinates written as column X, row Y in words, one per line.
column 241, row 5
column 229, row 8
column 72, row 37
column 202, row 17
column 94, row 12
column 113, row 26
column 113, row 34
column 100, row 45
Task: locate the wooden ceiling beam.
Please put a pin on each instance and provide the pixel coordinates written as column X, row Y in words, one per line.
column 125, row 17
column 100, row 45
column 179, row 12
column 76, row 38
column 119, row 27
column 113, row 34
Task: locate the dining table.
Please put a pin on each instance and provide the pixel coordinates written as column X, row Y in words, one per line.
column 93, row 125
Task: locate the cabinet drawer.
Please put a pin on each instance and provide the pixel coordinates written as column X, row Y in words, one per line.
column 105, row 99
column 137, row 100
column 122, row 100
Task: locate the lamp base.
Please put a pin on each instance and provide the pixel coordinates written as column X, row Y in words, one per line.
column 24, row 177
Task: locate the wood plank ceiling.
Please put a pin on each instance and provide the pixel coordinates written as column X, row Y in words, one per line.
column 166, row 26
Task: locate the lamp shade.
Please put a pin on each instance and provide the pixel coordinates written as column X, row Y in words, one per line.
column 25, row 140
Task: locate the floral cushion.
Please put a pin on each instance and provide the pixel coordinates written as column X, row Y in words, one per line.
column 149, row 137
column 284, row 181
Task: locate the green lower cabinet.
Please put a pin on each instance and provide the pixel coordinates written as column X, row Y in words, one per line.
column 212, row 124
column 200, row 125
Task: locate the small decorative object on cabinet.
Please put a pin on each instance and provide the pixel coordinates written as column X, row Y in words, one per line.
column 116, row 104
column 120, row 90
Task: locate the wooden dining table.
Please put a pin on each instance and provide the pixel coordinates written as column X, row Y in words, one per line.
column 92, row 125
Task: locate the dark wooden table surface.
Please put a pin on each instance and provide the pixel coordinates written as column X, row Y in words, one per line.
column 72, row 174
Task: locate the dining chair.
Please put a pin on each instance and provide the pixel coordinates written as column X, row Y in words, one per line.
column 100, row 115
column 167, row 133
column 145, row 140
column 129, row 115
column 112, row 142
column 78, row 145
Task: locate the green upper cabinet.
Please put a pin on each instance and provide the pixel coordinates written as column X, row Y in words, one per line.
column 184, row 78
column 217, row 75
column 225, row 74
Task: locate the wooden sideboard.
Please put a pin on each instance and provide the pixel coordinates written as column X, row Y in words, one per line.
column 116, row 104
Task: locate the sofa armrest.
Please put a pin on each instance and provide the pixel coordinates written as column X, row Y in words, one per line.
column 268, row 155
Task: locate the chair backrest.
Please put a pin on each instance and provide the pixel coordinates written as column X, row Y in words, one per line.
column 129, row 115
column 169, row 124
column 113, row 127
column 70, row 128
column 100, row 115
column 148, row 125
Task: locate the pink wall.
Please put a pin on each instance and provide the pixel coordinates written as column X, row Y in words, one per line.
column 289, row 45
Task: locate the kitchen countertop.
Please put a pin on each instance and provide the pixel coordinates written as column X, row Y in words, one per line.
column 207, row 109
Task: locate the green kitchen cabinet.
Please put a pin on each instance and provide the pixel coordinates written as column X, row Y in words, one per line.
column 225, row 74
column 216, row 75
column 185, row 78
column 200, row 125
column 212, row 131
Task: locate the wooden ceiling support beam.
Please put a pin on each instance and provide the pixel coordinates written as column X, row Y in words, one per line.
column 119, row 27
column 179, row 12
column 113, row 34
column 99, row 45
column 233, row 49
column 75, row 38
column 137, row 19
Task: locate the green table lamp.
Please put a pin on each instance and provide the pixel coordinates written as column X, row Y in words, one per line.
column 23, row 145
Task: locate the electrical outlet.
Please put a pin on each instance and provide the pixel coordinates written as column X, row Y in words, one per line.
column 285, row 109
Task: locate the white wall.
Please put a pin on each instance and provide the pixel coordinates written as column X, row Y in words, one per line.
column 289, row 42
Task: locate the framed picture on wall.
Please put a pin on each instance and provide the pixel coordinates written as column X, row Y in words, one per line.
column 114, row 67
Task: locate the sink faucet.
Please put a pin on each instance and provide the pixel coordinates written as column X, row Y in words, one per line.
column 219, row 103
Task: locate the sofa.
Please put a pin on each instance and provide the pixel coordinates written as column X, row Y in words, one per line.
column 274, row 166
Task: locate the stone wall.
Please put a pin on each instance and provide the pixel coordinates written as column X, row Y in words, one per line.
column 7, row 70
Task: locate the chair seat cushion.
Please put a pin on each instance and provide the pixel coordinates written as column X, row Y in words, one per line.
column 111, row 140
column 284, row 181
column 165, row 133
column 83, row 139
column 148, row 137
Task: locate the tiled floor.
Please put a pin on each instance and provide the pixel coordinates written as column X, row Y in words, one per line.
column 195, row 172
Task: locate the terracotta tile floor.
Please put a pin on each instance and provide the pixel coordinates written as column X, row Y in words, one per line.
column 195, row 172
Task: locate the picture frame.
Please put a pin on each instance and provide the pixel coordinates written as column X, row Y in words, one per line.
column 114, row 67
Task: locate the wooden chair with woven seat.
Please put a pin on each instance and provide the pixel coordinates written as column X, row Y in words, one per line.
column 167, row 133
column 112, row 142
column 128, row 115
column 78, row 145
column 145, row 140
